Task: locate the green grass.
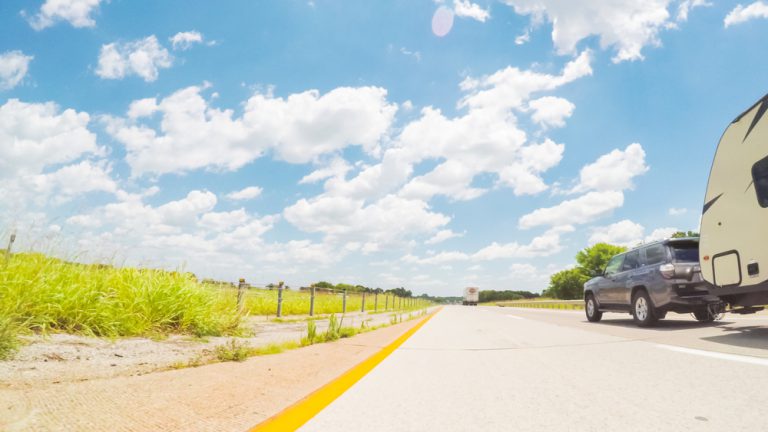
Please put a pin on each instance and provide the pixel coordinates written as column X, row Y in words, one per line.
column 545, row 304
column 41, row 294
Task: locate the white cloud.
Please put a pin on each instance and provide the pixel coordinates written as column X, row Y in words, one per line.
column 143, row 57
column 13, row 68
column 75, row 179
column 248, row 193
column 628, row 233
column 626, row 26
column 613, row 171
column 442, row 236
column 142, row 108
column 624, row 233
column 387, row 221
column 34, row 136
column 184, row 40
column 336, row 168
column 76, row 12
column 467, row 9
column 550, row 111
column 415, row 54
column 583, row 209
column 741, row 13
column 299, row 129
column 677, row 211
column 544, row 245
column 686, row 6
column 660, row 234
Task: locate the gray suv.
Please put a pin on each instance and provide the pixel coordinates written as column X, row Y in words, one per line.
column 650, row 281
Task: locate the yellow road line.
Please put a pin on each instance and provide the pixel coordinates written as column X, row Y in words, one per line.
column 299, row 413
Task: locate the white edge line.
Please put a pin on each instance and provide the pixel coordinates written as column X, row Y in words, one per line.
column 717, row 355
column 516, row 317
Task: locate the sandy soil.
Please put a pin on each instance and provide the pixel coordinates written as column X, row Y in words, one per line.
column 218, row 397
column 63, row 358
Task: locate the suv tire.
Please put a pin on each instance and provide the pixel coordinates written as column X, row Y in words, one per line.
column 703, row 316
column 643, row 310
column 590, row 307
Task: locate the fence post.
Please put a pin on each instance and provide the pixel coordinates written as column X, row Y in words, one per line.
column 376, row 302
column 311, row 301
column 362, row 308
column 8, row 251
column 280, row 299
column 400, row 303
column 240, row 294
column 386, row 302
column 344, row 303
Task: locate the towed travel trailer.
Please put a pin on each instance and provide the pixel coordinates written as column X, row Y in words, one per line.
column 733, row 250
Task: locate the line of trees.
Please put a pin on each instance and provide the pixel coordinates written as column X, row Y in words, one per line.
column 491, row 295
column 569, row 284
column 400, row 292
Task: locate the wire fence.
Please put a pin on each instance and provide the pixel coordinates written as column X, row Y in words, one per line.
column 282, row 301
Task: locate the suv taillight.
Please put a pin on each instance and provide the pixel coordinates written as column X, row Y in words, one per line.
column 667, row 270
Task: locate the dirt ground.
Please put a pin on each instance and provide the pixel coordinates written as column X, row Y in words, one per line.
column 63, row 358
column 218, row 397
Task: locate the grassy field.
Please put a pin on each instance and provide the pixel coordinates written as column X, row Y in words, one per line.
column 544, row 304
column 42, row 294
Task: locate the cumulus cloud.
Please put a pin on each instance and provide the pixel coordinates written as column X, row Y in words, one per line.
column 442, row 236
column 673, row 211
column 551, row 111
column 613, row 171
column 741, row 14
column 387, row 221
column 583, row 209
column 467, row 9
column 184, row 40
column 34, row 136
column 628, row 233
column 298, row 129
column 626, row 26
column 248, row 193
column 13, row 68
column 544, row 245
column 76, row 12
column 143, row 57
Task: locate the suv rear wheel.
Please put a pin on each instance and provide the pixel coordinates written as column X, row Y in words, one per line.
column 643, row 310
column 590, row 307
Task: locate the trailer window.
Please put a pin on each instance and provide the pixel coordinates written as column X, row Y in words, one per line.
column 760, row 179
column 686, row 252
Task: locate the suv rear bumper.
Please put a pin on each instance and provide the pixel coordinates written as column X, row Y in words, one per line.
column 690, row 303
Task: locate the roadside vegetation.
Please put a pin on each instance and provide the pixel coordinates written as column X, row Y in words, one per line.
column 40, row 294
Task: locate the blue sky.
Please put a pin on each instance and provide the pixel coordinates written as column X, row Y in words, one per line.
column 358, row 142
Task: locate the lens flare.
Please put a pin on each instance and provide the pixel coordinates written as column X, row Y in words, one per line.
column 442, row 21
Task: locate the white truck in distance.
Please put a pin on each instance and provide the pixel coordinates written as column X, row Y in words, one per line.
column 471, row 296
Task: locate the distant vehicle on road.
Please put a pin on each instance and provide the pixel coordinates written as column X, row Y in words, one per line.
column 471, row 296
column 651, row 280
column 734, row 232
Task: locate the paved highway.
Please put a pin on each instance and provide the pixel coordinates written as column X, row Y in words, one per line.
column 503, row 369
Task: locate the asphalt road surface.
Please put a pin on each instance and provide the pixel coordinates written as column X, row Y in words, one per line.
column 508, row 369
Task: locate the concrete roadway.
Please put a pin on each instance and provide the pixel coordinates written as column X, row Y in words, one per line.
column 508, row 369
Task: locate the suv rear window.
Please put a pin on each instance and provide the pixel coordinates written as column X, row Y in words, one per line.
column 685, row 252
